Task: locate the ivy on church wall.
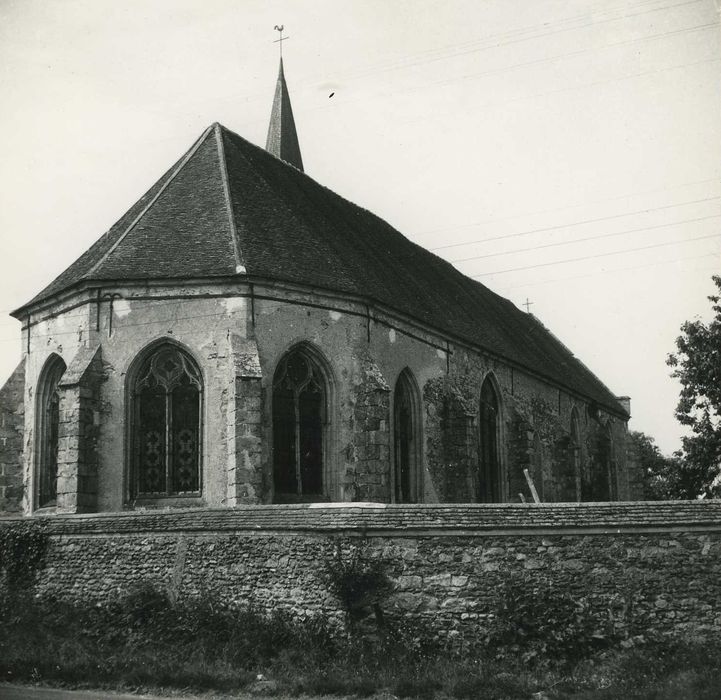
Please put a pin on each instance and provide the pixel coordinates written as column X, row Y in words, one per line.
column 22, row 549
column 536, row 436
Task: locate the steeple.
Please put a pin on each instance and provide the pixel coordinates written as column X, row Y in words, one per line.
column 282, row 137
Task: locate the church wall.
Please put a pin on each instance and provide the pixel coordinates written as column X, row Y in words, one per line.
column 202, row 327
column 365, row 359
column 352, row 343
column 657, row 565
column 365, row 352
column 63, row 335
column 12, row 427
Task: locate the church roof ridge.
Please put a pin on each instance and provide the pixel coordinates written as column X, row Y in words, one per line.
column 218, row 131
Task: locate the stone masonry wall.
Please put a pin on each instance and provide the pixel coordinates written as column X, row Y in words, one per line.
column 446, row 562
column 367, row 454
column 238, row 334
column 12, row 423
column 77, row 483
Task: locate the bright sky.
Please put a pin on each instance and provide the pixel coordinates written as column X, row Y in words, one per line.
column 564, row 151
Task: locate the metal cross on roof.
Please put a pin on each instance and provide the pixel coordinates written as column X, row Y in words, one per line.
column 281, row 39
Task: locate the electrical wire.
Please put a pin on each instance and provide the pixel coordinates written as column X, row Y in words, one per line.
column 587, row 238
column 598, row 255
column 575, row 223
column 679, row 186
column 621, row 269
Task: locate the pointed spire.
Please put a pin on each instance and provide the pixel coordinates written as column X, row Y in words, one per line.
column 282, row 137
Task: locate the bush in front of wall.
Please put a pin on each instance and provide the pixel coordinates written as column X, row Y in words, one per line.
column 22, row 548
column 358, row 581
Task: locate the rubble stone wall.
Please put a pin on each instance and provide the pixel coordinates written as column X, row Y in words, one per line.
column 445, row 562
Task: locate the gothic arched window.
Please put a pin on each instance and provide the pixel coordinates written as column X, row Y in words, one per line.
column 603, row 486
column 48, row 408
column 405, row 431
column 575, row 454
column 489, row 467
column 610, row 464
column 537, row 466
column 166, row 429
column 299, row 418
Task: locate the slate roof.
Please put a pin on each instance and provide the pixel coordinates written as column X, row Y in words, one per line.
column 228, row 207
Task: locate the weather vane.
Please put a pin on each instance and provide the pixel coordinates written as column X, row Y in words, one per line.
column 281, row 39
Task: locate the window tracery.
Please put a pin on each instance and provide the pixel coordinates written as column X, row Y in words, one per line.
column 299, row 416
column 167, row 428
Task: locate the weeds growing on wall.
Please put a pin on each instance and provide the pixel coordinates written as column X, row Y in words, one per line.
column 22, row 548
column 358, row 581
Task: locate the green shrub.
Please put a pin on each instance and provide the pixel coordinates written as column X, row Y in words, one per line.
column 22, row 548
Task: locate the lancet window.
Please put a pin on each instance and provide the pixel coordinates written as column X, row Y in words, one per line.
column 167, row 397
column 575, row 455
column 299, row 419
column 48, row 433
column 489, row 466
column 610, row 464
column 537, row 466
column 405, row 429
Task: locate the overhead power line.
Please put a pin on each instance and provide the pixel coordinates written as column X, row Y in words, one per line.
column 487, row 43
column 587, row 238
column 548, row 59
column 575, row 223
column 598, row 255
column 608, row 272
column 679, row 186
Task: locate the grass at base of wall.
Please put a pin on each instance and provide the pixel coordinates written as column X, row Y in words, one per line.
column 145, row 641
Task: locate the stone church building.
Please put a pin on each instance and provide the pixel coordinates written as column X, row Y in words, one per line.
column 244, row 335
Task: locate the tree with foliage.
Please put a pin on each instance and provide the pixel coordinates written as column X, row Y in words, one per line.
column 697, row 365
column 664, row 478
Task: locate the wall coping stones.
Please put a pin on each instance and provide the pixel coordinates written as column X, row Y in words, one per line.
column 396, row 520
